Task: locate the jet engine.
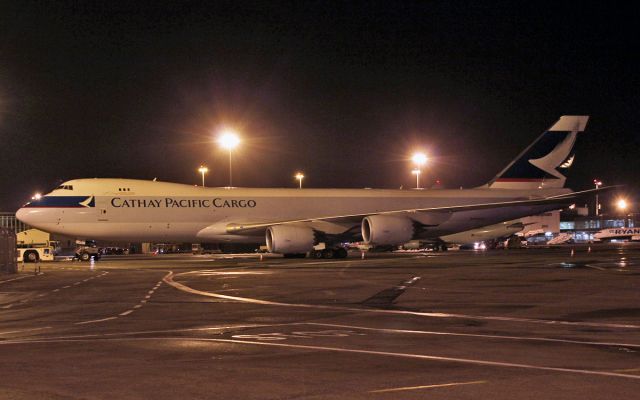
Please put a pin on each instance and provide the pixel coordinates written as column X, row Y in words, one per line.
column 387, row 229
column 289, row 239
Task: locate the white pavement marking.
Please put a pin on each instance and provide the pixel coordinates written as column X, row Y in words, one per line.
column 520, row 338
column 227, row 273
column 426, row 386
column 95, row 320
column 110, row 335
column 628, row 370
column 25, row 330
column 43, row 294
column 169, row 280
column 143, row 301
column 322, row 262
column 344, row 350
column 433, row 358
column 16, row 279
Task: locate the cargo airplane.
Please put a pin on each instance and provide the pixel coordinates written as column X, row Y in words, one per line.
column 294, row 222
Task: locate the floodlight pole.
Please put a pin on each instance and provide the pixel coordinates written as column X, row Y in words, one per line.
column 230, row 171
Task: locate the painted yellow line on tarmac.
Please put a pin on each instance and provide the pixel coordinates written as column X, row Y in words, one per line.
column 426, row 386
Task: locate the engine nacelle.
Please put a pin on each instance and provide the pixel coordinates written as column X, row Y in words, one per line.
column 387, row 229
column 289, row 239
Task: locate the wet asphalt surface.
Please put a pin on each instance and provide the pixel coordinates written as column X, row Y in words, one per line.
column 526, row 324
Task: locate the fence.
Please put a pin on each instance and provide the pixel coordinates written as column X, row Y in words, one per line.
column 8, row 264
column 9, row 220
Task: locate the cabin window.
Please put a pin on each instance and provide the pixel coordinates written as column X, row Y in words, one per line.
column 65, row 187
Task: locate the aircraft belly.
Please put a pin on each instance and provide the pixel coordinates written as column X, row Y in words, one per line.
column 468, row 220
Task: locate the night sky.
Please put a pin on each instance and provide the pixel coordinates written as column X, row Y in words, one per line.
column 342, row 92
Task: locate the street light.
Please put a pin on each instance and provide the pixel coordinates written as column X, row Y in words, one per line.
column 229, row 140
column 203, row 170
column 622, row 204
column 419, row 159
column 598, row 183
column 416, row 172
column 299, row 177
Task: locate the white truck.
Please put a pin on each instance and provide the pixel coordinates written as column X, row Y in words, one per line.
column 35, row 254
column 34, row 245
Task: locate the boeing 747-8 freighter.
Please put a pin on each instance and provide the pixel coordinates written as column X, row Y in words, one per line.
column 293, row 221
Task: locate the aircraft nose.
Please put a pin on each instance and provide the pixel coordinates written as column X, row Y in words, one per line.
column 25, row 215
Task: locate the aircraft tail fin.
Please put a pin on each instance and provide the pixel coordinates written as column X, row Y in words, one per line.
column 540, row 164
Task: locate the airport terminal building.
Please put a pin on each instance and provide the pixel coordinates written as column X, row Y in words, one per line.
column 584, row 227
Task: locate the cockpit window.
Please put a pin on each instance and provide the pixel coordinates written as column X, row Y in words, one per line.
column 65, row 187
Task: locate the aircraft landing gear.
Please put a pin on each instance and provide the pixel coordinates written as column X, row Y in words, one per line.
column 339, row 252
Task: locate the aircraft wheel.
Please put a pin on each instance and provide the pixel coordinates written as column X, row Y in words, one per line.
column 30, row 256
column 317, row 254
column 341, row 253
column 328, row 253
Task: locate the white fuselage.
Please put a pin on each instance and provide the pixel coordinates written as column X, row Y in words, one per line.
column 618, row 234
column 136, row 210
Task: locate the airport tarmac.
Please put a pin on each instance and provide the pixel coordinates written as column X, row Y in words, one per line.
column 525, row 324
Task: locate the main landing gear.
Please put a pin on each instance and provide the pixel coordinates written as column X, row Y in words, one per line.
column 339, row 252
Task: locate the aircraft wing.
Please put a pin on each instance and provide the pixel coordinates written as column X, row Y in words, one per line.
column 247, row 228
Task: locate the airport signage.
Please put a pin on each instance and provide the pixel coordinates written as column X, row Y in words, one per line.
column 169, row 202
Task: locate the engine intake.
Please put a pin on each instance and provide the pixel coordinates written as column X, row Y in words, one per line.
column 387, row 229
column 289, row 239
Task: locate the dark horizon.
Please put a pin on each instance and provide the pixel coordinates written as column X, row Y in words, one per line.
column 343, row 92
